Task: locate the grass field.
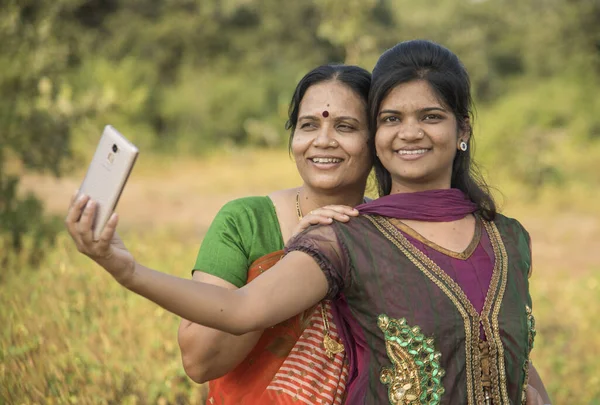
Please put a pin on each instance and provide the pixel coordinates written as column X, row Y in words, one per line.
column 70, row 335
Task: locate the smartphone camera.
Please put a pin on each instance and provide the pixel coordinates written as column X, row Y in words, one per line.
column 115, row 149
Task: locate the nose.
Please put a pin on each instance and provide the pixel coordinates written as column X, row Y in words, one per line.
column 411, row 131
column 325, row 137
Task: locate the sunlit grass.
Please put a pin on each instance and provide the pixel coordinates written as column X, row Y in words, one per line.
column 72, row 335
column 567, row 345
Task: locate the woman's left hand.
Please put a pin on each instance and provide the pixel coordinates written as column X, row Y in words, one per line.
column 109, row 251
column 325, row 216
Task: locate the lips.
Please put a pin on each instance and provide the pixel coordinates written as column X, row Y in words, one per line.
column 412, row 151
column 325, row 160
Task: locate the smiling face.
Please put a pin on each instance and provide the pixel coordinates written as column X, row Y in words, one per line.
column 417, row 138
column 330, row 139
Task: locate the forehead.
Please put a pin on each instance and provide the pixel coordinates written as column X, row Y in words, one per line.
column 411, row 96
column 333, row 96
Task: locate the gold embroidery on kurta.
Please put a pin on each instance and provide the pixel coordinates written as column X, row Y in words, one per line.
column 531, row 332
column 470, row 316
column 416, row 374
column 388, row 230
column 490, row 321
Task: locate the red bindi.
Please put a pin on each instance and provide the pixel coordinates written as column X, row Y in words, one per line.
column 325, row 113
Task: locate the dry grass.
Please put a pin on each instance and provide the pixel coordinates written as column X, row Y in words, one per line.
column 71, row 335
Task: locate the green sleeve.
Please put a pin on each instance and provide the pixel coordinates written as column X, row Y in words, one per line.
column 243, row 230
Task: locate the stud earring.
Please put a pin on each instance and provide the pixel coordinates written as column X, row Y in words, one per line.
column 463, row 146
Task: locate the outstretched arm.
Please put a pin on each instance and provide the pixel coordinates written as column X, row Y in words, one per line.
column 291, row 286
column 209, row 353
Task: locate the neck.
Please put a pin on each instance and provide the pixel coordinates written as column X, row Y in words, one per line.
column 404, row 187
column 311, row 199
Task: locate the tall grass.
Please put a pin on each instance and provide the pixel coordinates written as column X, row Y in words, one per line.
column 70, row 334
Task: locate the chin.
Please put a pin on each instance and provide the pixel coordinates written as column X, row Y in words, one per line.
column 412, row 177
column 324, row 185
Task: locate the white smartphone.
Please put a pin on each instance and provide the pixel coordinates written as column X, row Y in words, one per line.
column 107, row 174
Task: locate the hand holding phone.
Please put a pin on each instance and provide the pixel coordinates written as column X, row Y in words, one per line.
column 107, row 175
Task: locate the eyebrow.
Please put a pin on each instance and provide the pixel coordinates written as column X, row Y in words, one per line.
column 347, row 118
column 422, row 110
column 315, row 118
column 308, row 117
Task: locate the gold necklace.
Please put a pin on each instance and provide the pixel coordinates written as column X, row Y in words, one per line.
column 332, row 346
column 298, row 210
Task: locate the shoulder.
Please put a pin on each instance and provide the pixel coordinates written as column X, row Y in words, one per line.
column 357, row 229
column 248, row 203
column 246, row 216
column 516, row 239
column 248, row 206
column 510, row 225
column 362, row 221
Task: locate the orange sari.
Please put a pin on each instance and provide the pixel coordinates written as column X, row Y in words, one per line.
column 289, row 364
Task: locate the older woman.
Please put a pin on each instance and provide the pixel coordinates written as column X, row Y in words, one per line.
column 328, row 123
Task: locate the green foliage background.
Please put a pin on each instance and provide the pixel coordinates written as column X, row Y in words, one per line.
column 182, row 75
column 187, row 76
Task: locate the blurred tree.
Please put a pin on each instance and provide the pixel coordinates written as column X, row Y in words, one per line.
column 39, row 44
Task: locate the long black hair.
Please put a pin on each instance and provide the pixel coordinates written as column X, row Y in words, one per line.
column 443, row 71
column 356, row 78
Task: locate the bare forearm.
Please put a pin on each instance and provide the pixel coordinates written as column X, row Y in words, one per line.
column 200, row 303
column 208, row 353
column 275, row 296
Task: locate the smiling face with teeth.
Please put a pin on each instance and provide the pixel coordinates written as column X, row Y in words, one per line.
column 331, row 151
column 417, row 138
